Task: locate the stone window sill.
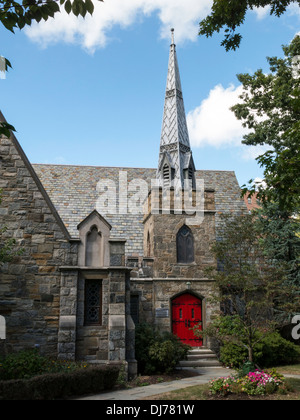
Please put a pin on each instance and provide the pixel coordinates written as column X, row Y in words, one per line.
column 186, row 264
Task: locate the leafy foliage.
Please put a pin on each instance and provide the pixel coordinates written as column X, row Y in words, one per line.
column 270, row 350
column 270, row 108
column 6, row 248
column 6, row 128
column 157, row 351
column 29, row 363
column 42, row 379
column 23, row 365
column 280, row 239
column 248, row 286
column 15, row 14
column 231, row 14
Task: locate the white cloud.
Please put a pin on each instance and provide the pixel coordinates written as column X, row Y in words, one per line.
column 252, row 152
column 294, row 10
column 212, row 123
column 93, row 31
column 260, row 183
column 262, row 12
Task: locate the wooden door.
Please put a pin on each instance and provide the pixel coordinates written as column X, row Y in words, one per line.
column 186, row 313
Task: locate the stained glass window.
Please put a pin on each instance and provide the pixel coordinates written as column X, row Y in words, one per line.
column 93, row 302
column 185, row 246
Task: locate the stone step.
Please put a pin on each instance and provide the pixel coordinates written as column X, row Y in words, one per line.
column 200, row 357
column 199, row 363
column 201, row 351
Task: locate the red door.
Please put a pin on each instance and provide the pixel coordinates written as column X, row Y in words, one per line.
column 186, row 313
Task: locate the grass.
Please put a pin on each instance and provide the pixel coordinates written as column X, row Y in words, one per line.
column 290, row 369
column 201, row 392
column 191, row 393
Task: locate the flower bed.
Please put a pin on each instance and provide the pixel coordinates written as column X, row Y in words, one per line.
column 254, row 383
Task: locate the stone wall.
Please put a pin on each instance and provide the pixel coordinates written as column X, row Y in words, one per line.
column 30, row 284
column 162, row 230
column 167, row 278
column 156, row 295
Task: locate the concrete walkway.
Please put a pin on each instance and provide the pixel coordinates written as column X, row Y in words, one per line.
column 205, row 375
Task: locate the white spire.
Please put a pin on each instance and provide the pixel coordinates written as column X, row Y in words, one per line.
column 175, row 150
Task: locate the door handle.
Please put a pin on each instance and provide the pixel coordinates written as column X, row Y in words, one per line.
column 185, row 322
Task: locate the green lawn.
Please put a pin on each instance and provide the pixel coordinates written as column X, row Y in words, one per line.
column 201, row 392
column 292, row 369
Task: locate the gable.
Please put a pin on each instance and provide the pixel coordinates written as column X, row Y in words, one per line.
column 17, row 166
column 94, row 233
column 31, row 282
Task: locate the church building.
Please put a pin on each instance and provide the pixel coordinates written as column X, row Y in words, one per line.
column 106, row 248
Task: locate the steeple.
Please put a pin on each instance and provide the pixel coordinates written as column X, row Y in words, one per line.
column 175, row 158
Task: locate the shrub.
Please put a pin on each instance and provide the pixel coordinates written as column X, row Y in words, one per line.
column 157, row 352
column 276, row 351
column 233, row 355
column 22, row 365
column 29, row 363
column 166, row 355
column 271, row 350
column 60, row 385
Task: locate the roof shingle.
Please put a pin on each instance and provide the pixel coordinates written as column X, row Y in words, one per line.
column 74, row 191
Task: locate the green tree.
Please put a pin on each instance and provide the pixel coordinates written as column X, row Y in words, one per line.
column 280, row 239
column 231, row 14
column 248, row 286
column 270, row 108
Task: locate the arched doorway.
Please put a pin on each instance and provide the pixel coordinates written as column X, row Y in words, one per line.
column 186, row 313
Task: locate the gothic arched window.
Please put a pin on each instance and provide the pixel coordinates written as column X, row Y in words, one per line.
column 185, row 246
column 148, row 245
column 93, row 248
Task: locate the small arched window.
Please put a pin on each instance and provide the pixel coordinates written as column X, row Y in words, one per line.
column 148, row 245
column 93, row 248
column 185, row 246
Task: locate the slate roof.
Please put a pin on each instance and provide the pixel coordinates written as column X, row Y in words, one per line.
column 75, row 192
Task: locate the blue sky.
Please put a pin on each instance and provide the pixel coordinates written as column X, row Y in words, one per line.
column 91, row 92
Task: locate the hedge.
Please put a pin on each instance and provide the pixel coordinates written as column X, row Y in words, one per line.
column 61, row 385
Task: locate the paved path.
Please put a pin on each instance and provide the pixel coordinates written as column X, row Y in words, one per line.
column 205, row 375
